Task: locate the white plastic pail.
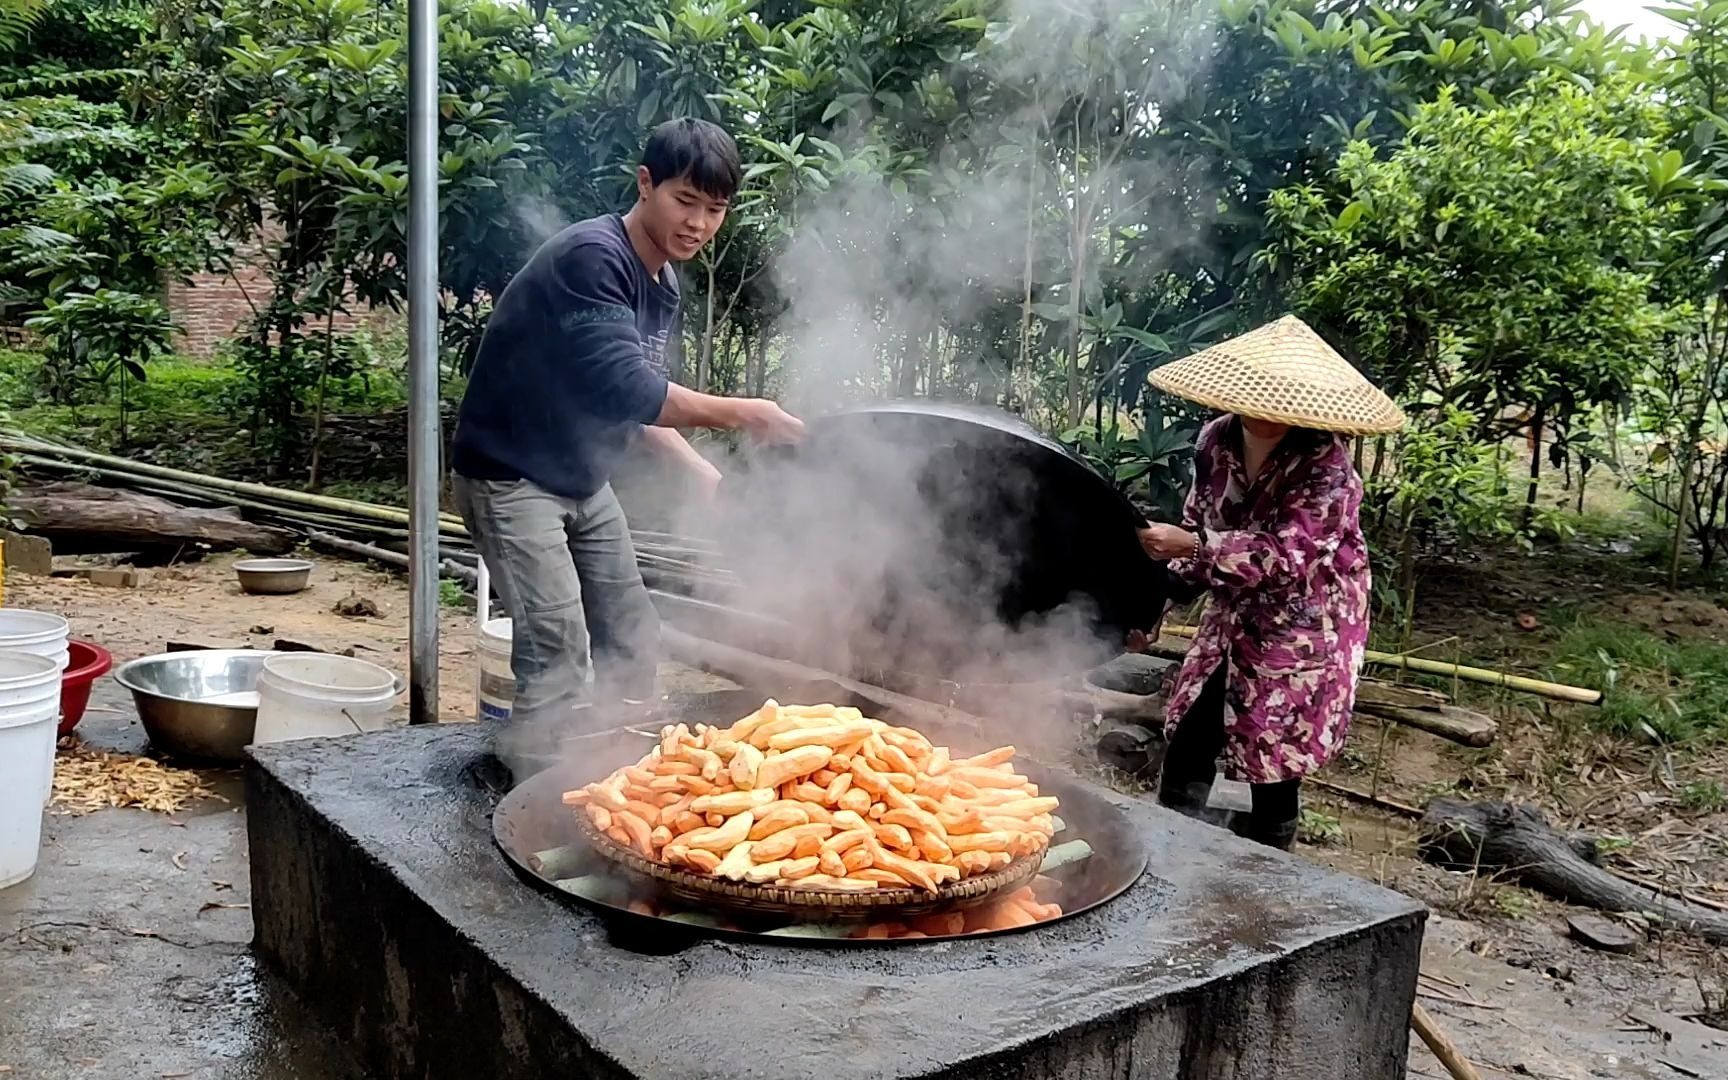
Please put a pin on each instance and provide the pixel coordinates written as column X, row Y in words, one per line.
column 40, row 633
column 312, row 695
column 29, row 711
column 494, row 682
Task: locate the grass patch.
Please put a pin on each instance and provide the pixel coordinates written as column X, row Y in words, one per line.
column 1704, row 797
column 1679, row 689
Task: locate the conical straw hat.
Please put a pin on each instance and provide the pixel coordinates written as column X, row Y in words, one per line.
column 1283, row 372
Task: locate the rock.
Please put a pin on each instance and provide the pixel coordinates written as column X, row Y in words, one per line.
column 1605, row 934
column 30, row 555
column 261, row 629
column 1131, row 748
column 118, row 577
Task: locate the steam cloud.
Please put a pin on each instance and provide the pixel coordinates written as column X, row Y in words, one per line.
column 853, row 552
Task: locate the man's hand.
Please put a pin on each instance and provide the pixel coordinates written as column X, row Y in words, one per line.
column 767, row 422
column 1168, row 542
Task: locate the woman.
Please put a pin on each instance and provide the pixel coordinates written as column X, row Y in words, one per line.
column 1270, row 534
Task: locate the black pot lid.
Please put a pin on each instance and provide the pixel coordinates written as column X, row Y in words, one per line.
column 932, row 536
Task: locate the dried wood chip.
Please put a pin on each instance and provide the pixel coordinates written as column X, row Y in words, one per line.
column 87, row 780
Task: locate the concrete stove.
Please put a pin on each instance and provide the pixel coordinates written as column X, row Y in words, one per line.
column 379, row 896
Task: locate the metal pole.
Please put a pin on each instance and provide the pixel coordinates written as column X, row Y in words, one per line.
column 424, row 443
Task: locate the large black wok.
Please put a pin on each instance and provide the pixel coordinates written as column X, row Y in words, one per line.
column 942, row 539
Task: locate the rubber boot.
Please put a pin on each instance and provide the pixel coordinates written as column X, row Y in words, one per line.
column 1274, row 834
column 1189, row 800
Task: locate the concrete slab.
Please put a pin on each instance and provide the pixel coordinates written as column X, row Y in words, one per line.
column 378, row 894
column 113, row 966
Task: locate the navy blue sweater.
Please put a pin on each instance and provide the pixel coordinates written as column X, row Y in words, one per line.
column 572, row 364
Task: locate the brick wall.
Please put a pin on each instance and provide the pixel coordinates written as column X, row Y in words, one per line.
column 213, row 309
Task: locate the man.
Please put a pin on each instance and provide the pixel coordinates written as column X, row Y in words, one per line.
column 570, row 375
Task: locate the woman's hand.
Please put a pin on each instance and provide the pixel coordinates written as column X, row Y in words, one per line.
column 1168, row 542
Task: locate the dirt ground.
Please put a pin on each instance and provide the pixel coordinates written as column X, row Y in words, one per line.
column 1501, row 973
column 115, row 963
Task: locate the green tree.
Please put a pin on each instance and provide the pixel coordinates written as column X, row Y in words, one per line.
column 1500, row 258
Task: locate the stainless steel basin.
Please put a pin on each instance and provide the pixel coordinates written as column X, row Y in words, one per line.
column 273, row 577
column 201, row 704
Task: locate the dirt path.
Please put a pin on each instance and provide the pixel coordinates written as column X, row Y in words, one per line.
column 202, row 603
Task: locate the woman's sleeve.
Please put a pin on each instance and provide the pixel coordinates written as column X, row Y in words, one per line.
column 1311, row 522
column 1187, row 578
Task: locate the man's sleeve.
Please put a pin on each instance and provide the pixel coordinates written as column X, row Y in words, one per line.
column 596, row 326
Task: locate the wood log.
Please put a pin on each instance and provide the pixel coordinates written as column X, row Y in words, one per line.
column 83, row 517
column 1464, row 726
column 1379, row 692
column 1497, row 837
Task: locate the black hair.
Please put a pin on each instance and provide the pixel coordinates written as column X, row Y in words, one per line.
column 697, row 151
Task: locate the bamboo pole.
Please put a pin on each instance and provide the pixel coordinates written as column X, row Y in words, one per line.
column 447, row 522
column 1442, row 1045
column 1523, row 684
column 289, row 503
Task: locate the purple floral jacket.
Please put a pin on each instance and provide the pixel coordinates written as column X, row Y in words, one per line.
column 1286, row 571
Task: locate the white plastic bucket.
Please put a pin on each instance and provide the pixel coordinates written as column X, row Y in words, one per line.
column 315, row 695
column 39, row 633
column 494, row 682
column 29, row 711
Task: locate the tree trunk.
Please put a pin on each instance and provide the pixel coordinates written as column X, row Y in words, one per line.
column 1500, row 838
column 312, row 477
column 1407, row 573
column 759, row 363
column 1021, row 382
column 94, row 519
column 1682, row 509
column 705, row 354
column 906, row 385
column 1536, row 422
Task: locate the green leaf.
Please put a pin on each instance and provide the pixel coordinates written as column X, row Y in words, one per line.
column 1349, row 216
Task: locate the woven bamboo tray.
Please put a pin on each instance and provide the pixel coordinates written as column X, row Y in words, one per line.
column 815, row 905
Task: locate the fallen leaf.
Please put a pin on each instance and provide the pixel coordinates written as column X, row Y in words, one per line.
column 179, row 860
column 222, row 884
column 209, row 904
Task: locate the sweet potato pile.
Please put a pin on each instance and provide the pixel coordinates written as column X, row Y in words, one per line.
column 820, row 797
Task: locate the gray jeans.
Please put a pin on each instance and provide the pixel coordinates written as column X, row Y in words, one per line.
column 582, row 626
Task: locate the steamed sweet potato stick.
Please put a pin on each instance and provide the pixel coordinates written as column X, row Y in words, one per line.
column 1002, row 755
column 777, row 769
column 733, row 802
column 785, row 842
column 825, row 794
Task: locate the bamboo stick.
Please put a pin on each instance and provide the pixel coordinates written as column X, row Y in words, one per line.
column 447, row 522
column 1442, row 1045
column 1538, row 687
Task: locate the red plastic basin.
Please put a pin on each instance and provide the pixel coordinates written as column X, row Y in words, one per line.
column 85, row 663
